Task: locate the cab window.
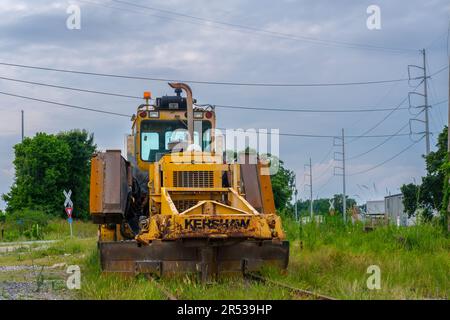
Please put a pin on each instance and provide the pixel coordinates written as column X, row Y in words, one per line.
column 155, row 136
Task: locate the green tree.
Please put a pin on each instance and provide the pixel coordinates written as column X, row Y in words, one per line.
column 282, row 185
column 41, row 171
column 429, row 194
column 81, row 146
column 338, row 203
column 47, row 164
column 321, row 206
column 410, row 198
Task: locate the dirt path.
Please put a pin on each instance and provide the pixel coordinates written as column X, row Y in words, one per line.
column 12, row 246
column 31, row 280
column 15, row 290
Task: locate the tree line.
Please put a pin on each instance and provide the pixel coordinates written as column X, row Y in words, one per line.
column 47, row 164
column 431, row 195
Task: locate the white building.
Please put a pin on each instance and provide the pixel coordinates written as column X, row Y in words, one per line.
column 391, row 209
column 375, row 207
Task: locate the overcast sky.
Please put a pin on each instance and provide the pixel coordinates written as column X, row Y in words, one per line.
column 122, row 39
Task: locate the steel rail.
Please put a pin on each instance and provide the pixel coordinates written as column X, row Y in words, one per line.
column 300, row 292
column 163, row 289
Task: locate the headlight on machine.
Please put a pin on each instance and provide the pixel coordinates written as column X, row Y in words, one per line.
column 153, row 114
column 198, row 114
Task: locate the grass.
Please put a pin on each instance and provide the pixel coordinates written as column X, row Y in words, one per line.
column 97, row 286
column 43, row 264
column 41, row 267
column 56, row 229
column 59, row 229
column 333, row 259
column 329, row 258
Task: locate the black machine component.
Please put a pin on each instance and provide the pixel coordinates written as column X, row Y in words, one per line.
column 172, row 102
column 137, row 205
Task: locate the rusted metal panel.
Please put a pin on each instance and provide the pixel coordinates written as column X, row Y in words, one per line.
column 252, row 188
column 96, row 185
column 191, row 256
column 110, row 182
column 115, row 182
column 111, row 195
column 266, row 191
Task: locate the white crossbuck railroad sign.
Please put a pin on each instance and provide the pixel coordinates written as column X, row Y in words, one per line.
column 68, row 202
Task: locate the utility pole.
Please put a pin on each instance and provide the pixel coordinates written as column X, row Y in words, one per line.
column 426, row 106
column 22, row 125
column 341, row 173
column 310, row 191
column 295, row 197
column 309, row 175
column 344, row 197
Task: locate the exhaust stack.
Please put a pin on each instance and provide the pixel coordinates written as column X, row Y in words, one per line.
column 190, row 108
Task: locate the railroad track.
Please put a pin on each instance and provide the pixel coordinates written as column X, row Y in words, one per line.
column 255, row 277
column 169, row 295
column 297, row 291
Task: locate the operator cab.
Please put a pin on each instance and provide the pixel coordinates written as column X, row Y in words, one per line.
column 162, row 127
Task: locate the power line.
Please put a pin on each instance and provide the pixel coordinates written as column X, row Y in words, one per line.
column 65, row 104
column 439, row 71
column 122, row 9
column 327, row 154
column 398, row 106
column 71, row 88
column 388, row 138
column 331, row 136
column 434, row 96
column 310, row 110
column 322, row 136
column 385, row 118
column 378, row 145
column 252, row 84
column 378, row 103
column 324, row 171
column 387, row 160
column 323, row 161
column 266, row 32
column 323, row 185
column 433, row 42
column 128, row 116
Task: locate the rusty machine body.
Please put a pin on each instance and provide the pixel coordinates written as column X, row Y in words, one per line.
column 174, row 206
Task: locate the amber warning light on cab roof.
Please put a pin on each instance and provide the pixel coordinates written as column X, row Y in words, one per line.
column 147, row 95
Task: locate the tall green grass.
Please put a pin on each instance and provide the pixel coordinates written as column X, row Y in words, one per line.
column 333, row 257
column 52, row 229
column 60, row 229
column 97, row 285
column 422, row 238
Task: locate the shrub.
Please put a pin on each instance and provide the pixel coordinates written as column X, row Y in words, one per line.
column 27, row 222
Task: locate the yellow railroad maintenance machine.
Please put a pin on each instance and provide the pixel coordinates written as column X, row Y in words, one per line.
column 174, row 206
